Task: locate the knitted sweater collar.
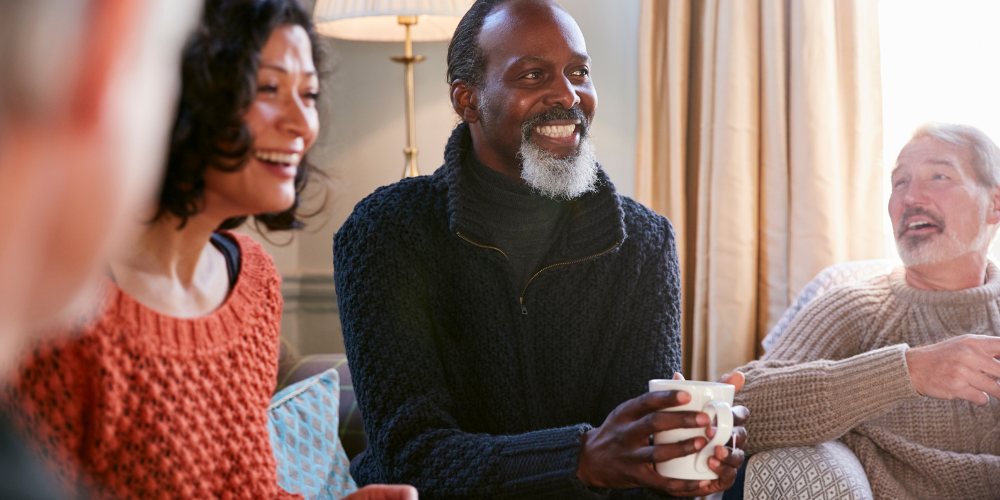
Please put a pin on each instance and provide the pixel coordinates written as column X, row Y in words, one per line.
column 595, row 221
column 251, row 298
column 989, row 291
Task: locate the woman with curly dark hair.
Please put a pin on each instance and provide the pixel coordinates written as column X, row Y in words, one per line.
column 165, row 395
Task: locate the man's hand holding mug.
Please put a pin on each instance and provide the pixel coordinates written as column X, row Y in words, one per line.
column 620, row 454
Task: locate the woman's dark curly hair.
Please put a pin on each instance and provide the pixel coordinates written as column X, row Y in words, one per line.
column 218, row 85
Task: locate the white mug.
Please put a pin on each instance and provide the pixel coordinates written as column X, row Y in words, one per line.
column 712, row 398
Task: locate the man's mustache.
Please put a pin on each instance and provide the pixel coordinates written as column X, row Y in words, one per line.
column 552, row 114
column 914, row 211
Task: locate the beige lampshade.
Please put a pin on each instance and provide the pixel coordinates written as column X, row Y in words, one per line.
column 377, row 20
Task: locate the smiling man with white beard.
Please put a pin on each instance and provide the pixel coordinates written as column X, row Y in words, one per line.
column 903, row 368
column 503, row 316
column 554, row 176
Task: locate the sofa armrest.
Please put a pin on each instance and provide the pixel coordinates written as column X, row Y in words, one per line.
column 828, row 471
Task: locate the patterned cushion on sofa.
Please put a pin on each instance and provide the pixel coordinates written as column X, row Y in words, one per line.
column 352, row 430
column 828, row 471
column 302, row 420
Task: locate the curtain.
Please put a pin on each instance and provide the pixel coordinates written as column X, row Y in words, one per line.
column 760, row 138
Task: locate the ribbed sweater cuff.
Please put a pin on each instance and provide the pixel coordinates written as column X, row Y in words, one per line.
column 544, row 464
column 874, row 382
column 813, row 402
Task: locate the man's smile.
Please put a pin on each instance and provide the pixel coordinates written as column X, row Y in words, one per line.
column 560, row 133
column 917, row 221
column 558, row 129
column 920, row 225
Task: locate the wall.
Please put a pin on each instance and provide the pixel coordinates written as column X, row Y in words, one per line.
column 362, row 136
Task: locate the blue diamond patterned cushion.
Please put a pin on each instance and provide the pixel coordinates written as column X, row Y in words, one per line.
column 303, row 421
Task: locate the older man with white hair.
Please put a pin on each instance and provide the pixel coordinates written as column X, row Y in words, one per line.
column 902, row 367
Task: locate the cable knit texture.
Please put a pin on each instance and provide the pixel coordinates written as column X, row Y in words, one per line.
column 839, row 372
column 462, row 394
column 152, row 406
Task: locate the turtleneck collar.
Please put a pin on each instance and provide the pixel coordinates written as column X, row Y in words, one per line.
column 988, row 292
column 594, row 222
column 495, row 181
column 498, row 201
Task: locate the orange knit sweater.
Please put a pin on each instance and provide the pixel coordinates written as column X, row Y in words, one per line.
column 152, row 406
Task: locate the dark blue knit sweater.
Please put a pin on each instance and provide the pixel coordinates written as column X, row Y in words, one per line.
column 472, row 385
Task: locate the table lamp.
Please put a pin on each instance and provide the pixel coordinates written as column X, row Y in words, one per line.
column 405, row 21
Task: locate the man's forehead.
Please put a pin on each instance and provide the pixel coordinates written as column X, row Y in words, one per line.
column 929, row 151
column 527, row 21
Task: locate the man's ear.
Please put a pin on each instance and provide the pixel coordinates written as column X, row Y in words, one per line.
column 465, row 100
column 104, row 41
column 993, row 213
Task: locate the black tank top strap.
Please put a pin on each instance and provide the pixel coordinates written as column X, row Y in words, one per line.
column 231, row 251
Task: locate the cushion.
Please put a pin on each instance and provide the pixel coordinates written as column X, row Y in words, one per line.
column 302, row 421
column 827, row 471
column 352, row 430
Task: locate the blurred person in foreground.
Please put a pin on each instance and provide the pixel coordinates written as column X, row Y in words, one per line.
column 87, row 92
column 166, row 394
column 503, row 316
column 902, row 367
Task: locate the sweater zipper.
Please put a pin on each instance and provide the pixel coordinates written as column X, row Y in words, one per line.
column 524, row 308
column 482, row 246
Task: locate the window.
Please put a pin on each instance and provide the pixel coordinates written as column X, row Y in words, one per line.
column 940, row 63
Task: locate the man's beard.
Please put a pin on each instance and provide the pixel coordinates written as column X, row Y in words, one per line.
column 559, row 178
column 942, row 246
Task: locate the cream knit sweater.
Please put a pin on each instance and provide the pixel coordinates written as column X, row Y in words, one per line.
column 839, row 372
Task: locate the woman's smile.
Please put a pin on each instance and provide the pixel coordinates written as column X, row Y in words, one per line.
column 281, row 164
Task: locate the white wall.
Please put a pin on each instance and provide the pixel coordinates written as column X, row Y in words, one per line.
column 362, row 137
column 611, row 29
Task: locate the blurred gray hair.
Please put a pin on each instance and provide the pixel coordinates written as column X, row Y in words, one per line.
column 38, row 46
column 985, row 153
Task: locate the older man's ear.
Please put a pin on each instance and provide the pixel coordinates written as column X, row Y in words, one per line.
column 993, row 217
column 464, row 101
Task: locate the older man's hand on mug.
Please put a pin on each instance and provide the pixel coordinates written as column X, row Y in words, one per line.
column 619, row 454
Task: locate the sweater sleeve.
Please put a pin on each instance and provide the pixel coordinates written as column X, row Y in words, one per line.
column 817, row 383
column 398, row 379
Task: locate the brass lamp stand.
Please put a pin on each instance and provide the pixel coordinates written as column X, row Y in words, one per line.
column 379, row 21
column 408, row 60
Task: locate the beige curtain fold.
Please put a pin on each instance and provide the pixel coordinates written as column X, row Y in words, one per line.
column 760, row 132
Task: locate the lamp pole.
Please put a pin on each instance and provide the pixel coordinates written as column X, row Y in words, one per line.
column 408, row 60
